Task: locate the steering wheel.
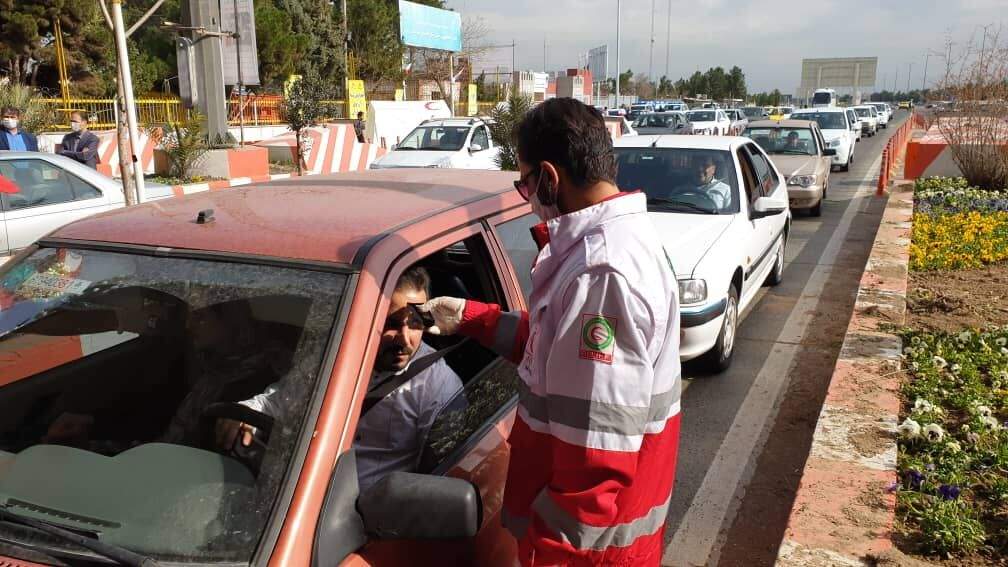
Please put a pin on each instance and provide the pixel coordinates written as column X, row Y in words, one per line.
column 251, row 455
column 705, row 196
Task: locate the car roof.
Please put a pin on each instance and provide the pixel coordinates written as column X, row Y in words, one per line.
column 452, row 122
column 792, row 123
column 818, row 110
column 726, row 143
column 322, row 218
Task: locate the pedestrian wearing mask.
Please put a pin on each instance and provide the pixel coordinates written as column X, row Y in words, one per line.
column 595, row 439
column 80, row 144
column 12, row 138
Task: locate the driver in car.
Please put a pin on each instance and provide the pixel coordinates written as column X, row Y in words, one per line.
column 391, row 434
column 792, row 144
column 705, row 167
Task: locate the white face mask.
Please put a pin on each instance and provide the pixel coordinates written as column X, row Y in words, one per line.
column 544, row 212
column 75, row 126
column 10, row 123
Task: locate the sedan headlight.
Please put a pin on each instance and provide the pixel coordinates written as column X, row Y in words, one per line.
column 803, row 180
column 692, row 291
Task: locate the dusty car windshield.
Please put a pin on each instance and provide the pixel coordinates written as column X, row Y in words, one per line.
column 681, row 180
column 826, row 120
column 437, row 138
column 114, row 369
column 702, row 116
column 793, row 141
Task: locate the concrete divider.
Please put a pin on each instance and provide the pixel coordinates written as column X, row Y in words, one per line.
column 843, row 511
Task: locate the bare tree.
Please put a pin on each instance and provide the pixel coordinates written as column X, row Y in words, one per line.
column 439, row 66
column 976, row 124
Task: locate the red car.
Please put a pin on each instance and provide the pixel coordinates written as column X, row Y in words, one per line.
column 105, row 426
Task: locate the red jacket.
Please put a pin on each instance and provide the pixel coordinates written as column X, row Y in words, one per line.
column 593, row 448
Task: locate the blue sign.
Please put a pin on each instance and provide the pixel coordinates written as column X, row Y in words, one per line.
column 431, row 28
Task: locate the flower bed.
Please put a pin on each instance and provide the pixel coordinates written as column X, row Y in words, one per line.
column 952, row 498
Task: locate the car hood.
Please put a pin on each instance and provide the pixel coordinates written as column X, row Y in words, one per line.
column 833, row 134
column 687, row 237
column 704, row 124
column 791, row 165
column 412, row 158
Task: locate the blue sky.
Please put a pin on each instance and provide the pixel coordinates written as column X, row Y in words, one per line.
column 767, row 38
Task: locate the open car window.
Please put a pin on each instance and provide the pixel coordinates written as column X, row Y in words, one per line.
column 109, row 362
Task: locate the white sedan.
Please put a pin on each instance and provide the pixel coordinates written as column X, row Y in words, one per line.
column 721, row 207
column 711, row 121
column 41, row 192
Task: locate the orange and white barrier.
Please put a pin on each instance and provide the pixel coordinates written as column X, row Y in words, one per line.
column 332, row 148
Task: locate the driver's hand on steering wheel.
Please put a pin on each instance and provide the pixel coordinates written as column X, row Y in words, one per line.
column 227, row 430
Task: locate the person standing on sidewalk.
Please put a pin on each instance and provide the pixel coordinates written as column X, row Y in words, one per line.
column 80, row 144
column 11, row 137
column 358, row 127
column 595, row 440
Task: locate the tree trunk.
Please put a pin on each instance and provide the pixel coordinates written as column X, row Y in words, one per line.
column 297, row 150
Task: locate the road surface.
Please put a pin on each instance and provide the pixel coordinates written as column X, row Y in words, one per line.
column 746, row 432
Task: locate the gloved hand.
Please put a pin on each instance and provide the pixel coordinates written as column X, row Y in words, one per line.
column 446, row 312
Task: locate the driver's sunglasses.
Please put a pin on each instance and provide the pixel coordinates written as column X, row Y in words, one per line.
column 410, row 316
column 521, row 185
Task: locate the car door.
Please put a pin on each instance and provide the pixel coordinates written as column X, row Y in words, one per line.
column 755, row 230
column 484, row 158
column 48, row 198
column 766, row 230
column 825, row 162
column 468, row 437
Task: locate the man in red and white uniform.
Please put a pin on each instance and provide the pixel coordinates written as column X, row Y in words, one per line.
column 593, row 448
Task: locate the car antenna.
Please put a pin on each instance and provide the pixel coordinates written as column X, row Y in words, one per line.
column 205, row 216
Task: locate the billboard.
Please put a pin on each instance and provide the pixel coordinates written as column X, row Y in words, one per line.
column 431, row 28
column 838, row 73
column 249, row 52
column 598, row 62
column 356, row 98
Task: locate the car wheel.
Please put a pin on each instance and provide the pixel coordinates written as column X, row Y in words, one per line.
column 719, row 358
column 816, row 211
column 777, row 274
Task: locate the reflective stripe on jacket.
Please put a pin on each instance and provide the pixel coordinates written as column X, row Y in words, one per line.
column 595, row 440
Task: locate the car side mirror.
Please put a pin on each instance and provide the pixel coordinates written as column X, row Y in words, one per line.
column 474, row 147
column 406, row 505
column 767, row 207
column 829, row 152
column 394, row 146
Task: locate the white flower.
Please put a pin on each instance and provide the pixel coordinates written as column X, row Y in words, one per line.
column 939, row 362
column 985, row 336
column 1003, row 375
column 964, row 336
column 934, row 433
column 1004, row 350
column 923, row 406
column 1001, row 341
column 909, row 429
column 972, row 438
column 916, row 340
column 983, row 411
column 915, row 366
column 909, row 351
column 991, row 423
column 953, row 446
column 956, row 368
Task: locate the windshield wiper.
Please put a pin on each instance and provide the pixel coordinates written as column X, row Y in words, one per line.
column 113, row 552
column 674, row 203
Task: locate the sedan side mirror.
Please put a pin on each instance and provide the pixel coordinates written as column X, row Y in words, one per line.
column 474, row 147
column 767, row 206
column 829, row 152
column 418, row 506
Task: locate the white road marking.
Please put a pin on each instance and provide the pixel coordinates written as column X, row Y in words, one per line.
column 697, row 536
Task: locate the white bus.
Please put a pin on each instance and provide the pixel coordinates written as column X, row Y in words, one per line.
column 824, row 98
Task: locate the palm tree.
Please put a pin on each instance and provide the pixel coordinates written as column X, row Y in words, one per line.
column 505, row 120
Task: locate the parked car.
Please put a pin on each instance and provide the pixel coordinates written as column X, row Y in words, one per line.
column 677, row 105
column 636, row 110
column 755, row 112
column 455, row 143
column 619, row 126
column 738, row 121
column 869, row 119
column 781, row 113
column 663, row 123
column 110, row 315
column 884, row 113
column 46, row 191
column 838, row 131
column 725, row 235
column 709, row 121
column 616, row 112
column 855, row 121
column 799, row 151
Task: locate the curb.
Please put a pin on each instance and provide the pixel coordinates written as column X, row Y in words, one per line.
column 842, row 511
column 189, row 189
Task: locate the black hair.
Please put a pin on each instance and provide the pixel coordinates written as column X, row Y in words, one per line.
column 12, row 110
column 572, row 136
column 415, row 278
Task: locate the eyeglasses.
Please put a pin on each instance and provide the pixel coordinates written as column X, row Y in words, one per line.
column 521, row 184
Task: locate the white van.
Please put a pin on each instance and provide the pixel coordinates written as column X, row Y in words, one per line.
column 456, row 143
column 824, row 98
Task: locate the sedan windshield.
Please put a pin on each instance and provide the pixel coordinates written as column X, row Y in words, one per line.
column 436, row 138
column 702, row 116
column 115, row 370
column 655, row 121
column 680, row 180
column 822, row 98
column 826, row 120
column 793, row 141
column 863, row 112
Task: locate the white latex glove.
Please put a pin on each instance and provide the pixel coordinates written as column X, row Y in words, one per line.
column 446, row 312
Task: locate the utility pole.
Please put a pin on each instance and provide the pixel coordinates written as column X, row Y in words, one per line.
column 618, row 72
column 241, row 85
column 668, row 42
column 927, row 55
column 545, row 66
column 650, row 71
column 909, row 72
column 119, row 31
